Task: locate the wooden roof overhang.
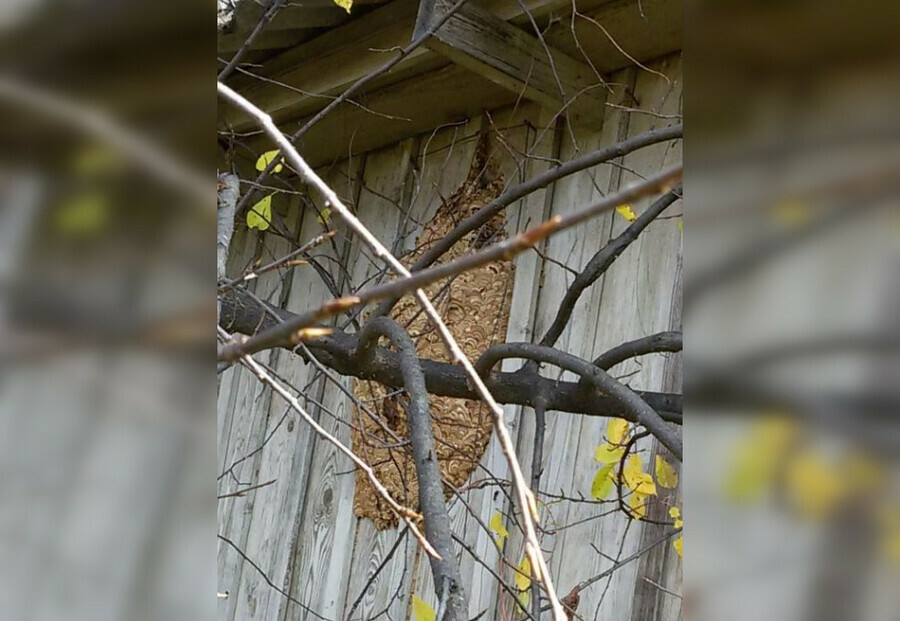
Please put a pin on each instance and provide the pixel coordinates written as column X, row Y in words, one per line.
column 487, row 55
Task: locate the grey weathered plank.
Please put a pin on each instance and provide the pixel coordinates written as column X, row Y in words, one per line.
column 253, row 598
column 324, row 554
column 515, row 59
column 631, row 300
column 330, row 533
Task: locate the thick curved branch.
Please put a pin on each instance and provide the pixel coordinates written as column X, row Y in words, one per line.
column 635, row 408
column 447, row 583
column 661, row 341
column 515, row 193
column 242, row 313
column 601, row 262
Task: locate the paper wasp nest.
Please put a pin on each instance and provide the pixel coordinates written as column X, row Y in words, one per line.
column 475, row 306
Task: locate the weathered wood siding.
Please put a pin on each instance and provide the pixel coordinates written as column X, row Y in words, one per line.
column 301, row 530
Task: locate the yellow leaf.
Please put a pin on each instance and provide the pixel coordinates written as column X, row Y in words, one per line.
column 260, row 215
column 665, row 473
column 791, row 213
column 496, row 525
column 523, row 600
column 617, row 431
column 344, row 4
column 638, row 504
column 681, row 225
column 422, row 610
column 324, row 217
column 523, row 576
column 677, row 544
column 83, row 215
column 757, row 458
column 675, row 513
column 815, row 486
column 603, row 482
column 636, row 479
column 626, row 212
column 267, row 158
column 608, row 454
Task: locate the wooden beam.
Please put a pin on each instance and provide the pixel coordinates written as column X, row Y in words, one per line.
column 267, row 40
column 482, row 42
column 248, row 14
column 409, row 108
column 327, row 65
column 644, row 31
column 306, row 78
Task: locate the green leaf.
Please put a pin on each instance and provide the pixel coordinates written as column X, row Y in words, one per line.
column 603, row 482
column 344, row 4
column 260, row 215
column 267, row 158
column 422, row 610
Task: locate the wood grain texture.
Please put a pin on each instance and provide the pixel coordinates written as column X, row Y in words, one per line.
column 382, row 207
column 515, row 59
column 321, row 552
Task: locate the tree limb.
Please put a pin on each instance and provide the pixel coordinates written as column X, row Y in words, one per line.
column 513, row 194
column 445, row 570
column 601, row 262
column 241, row 313
column 636, row 409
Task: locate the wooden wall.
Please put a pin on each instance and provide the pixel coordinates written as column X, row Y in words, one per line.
column 301, row 530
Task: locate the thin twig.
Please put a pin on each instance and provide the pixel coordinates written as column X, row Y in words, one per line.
column 409, row 49
column 267, row 17
column 525, row 496
column 404, row 513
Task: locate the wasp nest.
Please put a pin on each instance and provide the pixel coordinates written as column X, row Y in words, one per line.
column 475, row 306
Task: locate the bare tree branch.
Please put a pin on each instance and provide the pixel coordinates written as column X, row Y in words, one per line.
column 242, row 313
column 601, row 262
column 445, row 570
column 662, row 341
column 525, row 496
column 515, row 193
column 284, row 331
column 636, row 409
column 409, row 49
column 402, row 512
column 271, row 11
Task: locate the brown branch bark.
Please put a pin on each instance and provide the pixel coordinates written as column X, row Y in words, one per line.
column 241, row 313
column 444, row 570
column 631, row 406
